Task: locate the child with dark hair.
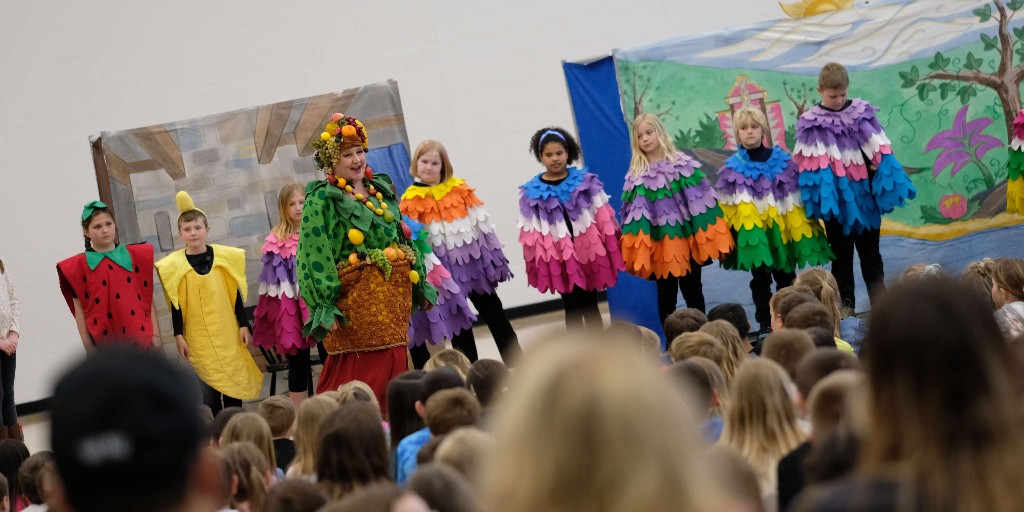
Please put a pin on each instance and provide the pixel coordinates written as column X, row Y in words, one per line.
column 848, row 178
column 295, row 496
column 787, row 347
column 1008, row 295
column 205, row 288
column 487, row 380
column 821, row 337
column 279, row 412
column 450, row 409
column 13, row 454
column 681, row 321
column 405, row 452
column 813, row 314
column 444, row 489
column 672, row 224
column 220, row 421
column 353, row 450
column 5, row 497
column 403, row 392
column 568, row 230
column 31, row 477
column 734, row 314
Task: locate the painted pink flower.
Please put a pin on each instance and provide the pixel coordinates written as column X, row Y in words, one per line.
column 953, row 206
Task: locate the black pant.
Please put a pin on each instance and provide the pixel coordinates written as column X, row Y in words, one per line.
column 7, row 408
column 493, row 314
column 212, row 398
column 299, row 375
column 761, row 292
column 866, row 243
column 690, row 285
column 581, row 310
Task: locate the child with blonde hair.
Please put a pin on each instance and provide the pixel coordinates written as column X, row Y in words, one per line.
column 1008, row 295
column 464, row 240
column 312, row 413
column 671, row 221
column 251, row 427
column 250, row 473
column 450, row 358
column 761, row 201
column 735, row 347
column 280, row 312
column 279, row 413
column 761, row 422
column 568, row 230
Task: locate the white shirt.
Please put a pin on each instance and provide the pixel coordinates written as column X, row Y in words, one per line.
column 9, row 312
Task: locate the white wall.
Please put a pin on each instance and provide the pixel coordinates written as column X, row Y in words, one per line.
column 480, row 76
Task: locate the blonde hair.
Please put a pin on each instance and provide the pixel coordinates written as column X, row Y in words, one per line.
column 640, row 163
column 449, row 358
column 426, row 147
column 746, row 116
column 249, row 426
column 572, row 396
column 823, row 285
column 833, row 76
column 760, row 423
column 465, row 449
column 356, row 391
column 312, row 413
column 285, row 225
column 243, row 460
column 978, row 277
column 727, row 334
column 690, row 344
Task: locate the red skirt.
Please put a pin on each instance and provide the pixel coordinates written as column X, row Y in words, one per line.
column 376, row 368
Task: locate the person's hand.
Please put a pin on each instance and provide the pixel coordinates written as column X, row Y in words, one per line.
column 246, row 337
column 5, row 347
column 183, row 347
column 334, row 325
column 156, row 341
column 13, row 337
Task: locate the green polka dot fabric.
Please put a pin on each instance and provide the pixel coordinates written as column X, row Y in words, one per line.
column 327, row 217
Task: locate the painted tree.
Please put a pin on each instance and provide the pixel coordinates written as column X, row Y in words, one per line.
column 638, row 88
column 1004, row 78
column 798, row 96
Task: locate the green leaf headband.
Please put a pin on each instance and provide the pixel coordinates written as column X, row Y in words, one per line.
column 89, row 208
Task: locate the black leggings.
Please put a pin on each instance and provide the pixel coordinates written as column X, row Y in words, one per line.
column 690, row 285
column 7, row 408
column 298, row 368
column 866, row 243
column 761, row 292
column 581, row 310
column 212, row 398
column 493, row 314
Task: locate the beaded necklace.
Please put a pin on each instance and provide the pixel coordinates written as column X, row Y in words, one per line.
column 381, row 208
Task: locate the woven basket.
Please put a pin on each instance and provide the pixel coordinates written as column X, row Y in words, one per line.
column 378, row 311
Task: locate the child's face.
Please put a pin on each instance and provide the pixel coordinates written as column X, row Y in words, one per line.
column 553, row 156
column 428, row 168
column 351, row 164
column 194, row 233
column 833, row 98
column 647, row 139
column 295, row 203
column 776, row 321
column 751, row 135
column 1000, row 296
column 102, row 231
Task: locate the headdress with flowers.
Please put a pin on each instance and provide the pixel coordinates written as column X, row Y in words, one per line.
column 340, row 133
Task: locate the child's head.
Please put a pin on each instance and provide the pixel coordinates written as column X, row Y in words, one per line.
column 786, row 299
column 464, row 449
column 379, row 497
column 683, row 320
column 833, row 82
column 738, row 478
column 787, row 347
column 443, row 488
column 703, row 379
column 5, row 497
column 193, row 228
column 693, row 344
column 749, row 126
column 487, row 380
column 356, row 391
column 819, row 364
column 31, row 475
column 807, row 315
column 98, row 226
column 922, row 271
column 279, row 413
column 823, row 285
column 221, row 420
column 251, row 427
column 434, row 381
column 978, row 276
column 449, row 358
column 650, row 143
column 555, row 148
column 13, row 454
column 353, row 450
column 312, row 414
column 430, row 163
column 1007, row 281
column 821, row 337
column 735, row 347
column 403, row 393
column 829, row 401
column 295, row 495
column 734, row 314
column 449, row 409
column 290, row 200
column 250, row 474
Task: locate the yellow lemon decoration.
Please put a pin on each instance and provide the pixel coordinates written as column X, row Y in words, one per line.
column 325, row 136
column 331, row 127
column 355, row 236
column 805, row 8
column 414, row 276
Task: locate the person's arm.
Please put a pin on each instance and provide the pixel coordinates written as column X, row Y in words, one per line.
column 178, row 324
column 13, row 334
column 242, row 319
column 83, row 331
column 319, row 284
column 156, row 326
